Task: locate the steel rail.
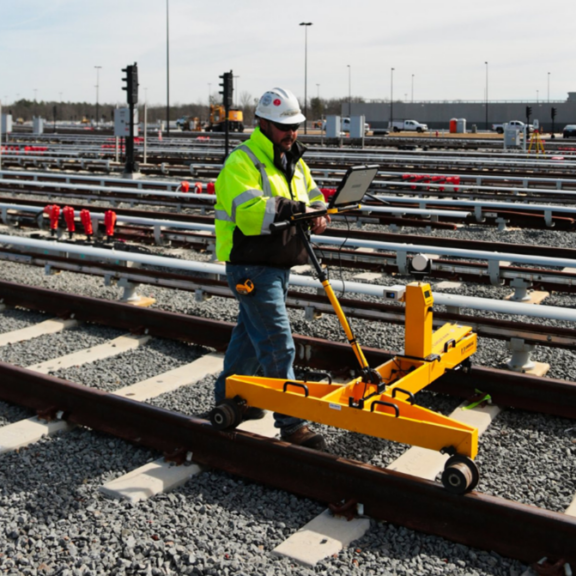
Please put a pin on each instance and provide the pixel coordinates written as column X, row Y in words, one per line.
column 511, row 529
column 545, row 395
column 94, row 253
column 549, row 336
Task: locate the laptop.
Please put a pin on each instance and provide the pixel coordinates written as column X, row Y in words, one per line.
column 354, row 185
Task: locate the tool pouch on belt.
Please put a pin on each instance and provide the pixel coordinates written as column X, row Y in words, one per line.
column 246, row 288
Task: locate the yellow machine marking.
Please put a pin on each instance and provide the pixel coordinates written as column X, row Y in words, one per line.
column 428, row 355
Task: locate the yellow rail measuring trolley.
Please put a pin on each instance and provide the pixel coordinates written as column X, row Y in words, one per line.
column 381, row 401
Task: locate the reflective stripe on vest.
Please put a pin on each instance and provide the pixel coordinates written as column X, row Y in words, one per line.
column 265, row 182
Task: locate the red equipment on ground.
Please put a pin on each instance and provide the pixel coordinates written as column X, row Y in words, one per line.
column 109, row 223
column 86, row 220
column 53, row 211
column 69, row 219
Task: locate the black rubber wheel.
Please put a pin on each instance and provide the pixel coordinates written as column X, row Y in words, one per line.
column 460, row 474
column 226, row 415
column 500, row 130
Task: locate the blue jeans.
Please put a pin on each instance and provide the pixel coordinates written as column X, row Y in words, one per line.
column 262, row 338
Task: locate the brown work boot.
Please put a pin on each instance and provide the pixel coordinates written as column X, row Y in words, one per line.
column 305, row 437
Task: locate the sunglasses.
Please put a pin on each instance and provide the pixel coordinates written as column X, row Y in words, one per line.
column 286, row 127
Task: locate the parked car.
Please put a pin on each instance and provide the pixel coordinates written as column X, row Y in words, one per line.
column 569, row 131
column 407, row 126
column 517, row 124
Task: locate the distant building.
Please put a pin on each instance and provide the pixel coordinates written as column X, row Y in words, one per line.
column 438, row 114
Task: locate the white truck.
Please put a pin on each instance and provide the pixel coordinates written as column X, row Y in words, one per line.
column 407, row 126
column 517, row 124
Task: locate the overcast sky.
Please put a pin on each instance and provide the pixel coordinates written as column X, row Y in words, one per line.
column 53, row 46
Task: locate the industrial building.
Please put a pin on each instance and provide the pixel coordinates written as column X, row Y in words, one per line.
column 481, row 114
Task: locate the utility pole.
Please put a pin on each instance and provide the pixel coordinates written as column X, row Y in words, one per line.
column 97, row 90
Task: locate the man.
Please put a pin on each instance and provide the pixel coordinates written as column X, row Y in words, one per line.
column 265, row 181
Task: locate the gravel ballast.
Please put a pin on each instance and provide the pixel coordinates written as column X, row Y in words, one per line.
column 55, row 521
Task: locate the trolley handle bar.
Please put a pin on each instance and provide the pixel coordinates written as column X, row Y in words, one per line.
column 297, row 219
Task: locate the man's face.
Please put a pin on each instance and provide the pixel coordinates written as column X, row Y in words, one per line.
column 282, row 138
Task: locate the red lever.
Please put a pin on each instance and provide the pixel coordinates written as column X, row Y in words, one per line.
column 210, row 189
column 69, row 218
column 109, row 223
column 185, row 186
column 86, row 220
column 198, row 187
column 54, row 213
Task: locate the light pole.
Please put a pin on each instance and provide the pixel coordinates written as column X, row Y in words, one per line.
column 97, row 92
column 548, row 87
column 537, row 97
column 306, row 24
column 35, row 91
column 167, row 71
column 349, row 91
column 391, row 97
column 318, row 98
column 412, row 88
column 209, row 92
column 486, row 63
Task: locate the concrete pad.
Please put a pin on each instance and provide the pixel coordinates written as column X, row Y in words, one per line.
column 173, row 379
column 323, row 536
column 108, row 349
column 447, row 285
column 148, row 480
column 24, row 432
column 428, row 464
column 326, row 535
column 570, row 270
column 367, row 276
column 535, row 297
column 571, row 510
column 47, row 327
column 263, row 427
column 540, row 369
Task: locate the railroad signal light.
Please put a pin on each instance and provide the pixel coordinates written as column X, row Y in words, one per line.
column 553, row 113
column 528, row 111
column 131, row 80
column 227, row 88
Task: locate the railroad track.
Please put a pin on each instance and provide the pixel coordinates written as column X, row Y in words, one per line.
column 389, row 494
column 479, row 520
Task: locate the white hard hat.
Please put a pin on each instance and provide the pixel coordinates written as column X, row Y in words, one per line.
column 281, row 106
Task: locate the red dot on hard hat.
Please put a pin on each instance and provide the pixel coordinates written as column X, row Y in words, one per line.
column 277, row 102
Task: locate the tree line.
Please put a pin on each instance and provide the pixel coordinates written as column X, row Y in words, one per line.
column 78, row 111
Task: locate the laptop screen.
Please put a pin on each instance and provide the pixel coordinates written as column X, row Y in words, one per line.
column 355, row 184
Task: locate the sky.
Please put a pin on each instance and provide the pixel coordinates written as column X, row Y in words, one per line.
column 438, row 49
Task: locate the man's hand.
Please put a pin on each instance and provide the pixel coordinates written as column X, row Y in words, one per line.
column 318, row 225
